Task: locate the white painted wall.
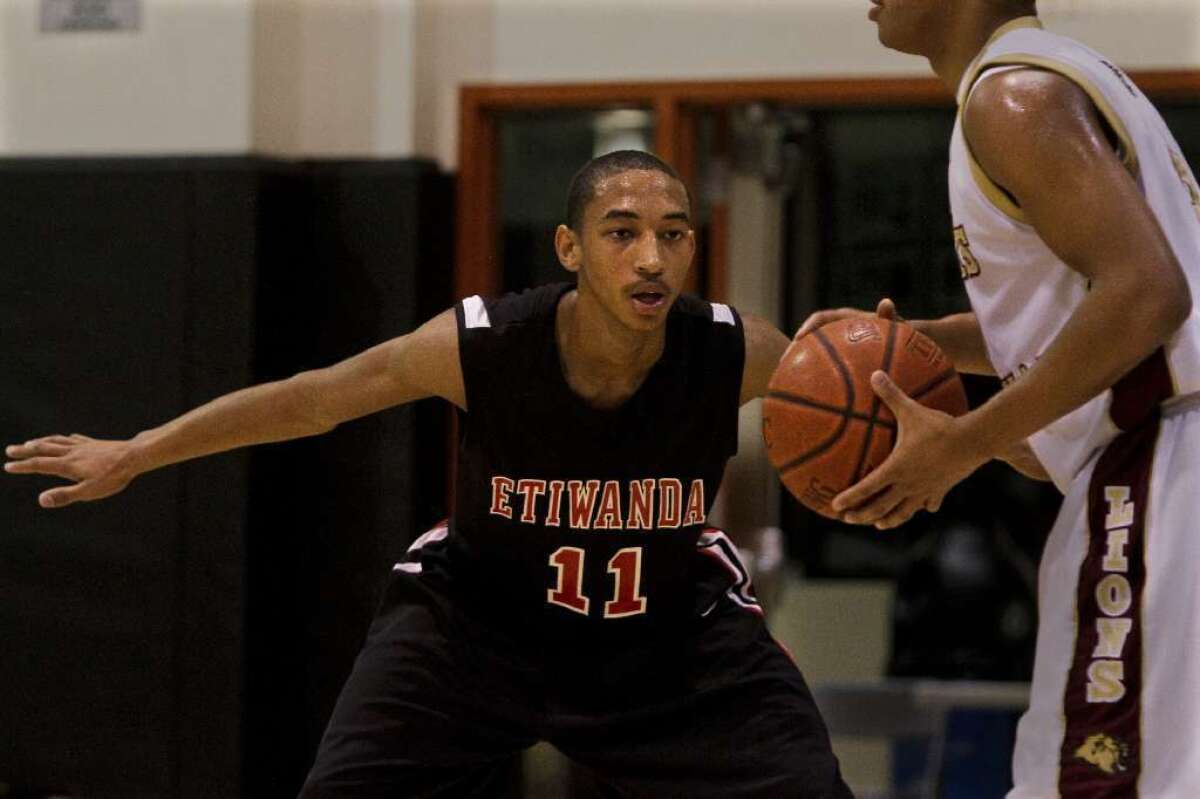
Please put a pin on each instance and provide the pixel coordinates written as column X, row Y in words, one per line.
column 179, row 85
column 1137, row 34
column 550, row 40
column 334, row 78
column 381, row 77
column 455, row 45
column 286, row 77
column 396, row 87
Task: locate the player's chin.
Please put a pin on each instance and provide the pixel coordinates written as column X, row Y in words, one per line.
column 895, row 40
column 645, row 324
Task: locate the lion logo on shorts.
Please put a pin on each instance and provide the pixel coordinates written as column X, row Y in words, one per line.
column 1105, row 753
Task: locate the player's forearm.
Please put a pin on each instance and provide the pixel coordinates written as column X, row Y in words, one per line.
column 960, row 337
column 1118, row 324
column 277, row 411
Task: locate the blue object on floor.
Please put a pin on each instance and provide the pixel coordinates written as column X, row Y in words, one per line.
column 973, row 761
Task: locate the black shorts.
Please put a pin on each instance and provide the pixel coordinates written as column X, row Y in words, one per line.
column 437, row 705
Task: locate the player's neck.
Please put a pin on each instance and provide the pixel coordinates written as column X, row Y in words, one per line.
column 965, row 38
column 597, row 350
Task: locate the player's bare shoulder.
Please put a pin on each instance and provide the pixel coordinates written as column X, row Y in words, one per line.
column 428, row 357
column 765, row 345
column 1017, row 121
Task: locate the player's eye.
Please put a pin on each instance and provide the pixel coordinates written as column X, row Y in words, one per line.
column 674, row 235
column 620, row 234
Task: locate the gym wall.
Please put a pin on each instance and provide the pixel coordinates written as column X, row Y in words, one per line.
column 188, row 637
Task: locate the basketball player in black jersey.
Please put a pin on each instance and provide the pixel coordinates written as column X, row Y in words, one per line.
column 576, row 595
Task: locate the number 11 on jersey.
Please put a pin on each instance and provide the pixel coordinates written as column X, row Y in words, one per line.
column 626, row 568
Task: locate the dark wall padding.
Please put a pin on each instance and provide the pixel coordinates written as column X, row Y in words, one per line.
column 184, row 639
column 357, row 254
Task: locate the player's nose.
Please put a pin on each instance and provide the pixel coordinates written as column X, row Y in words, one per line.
column 648, row 258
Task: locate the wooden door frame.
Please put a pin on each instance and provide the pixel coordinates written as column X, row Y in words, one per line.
column 675, row 106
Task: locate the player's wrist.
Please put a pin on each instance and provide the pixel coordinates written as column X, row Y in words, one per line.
column 137, row 455
column 979, row 438
column 933, row 330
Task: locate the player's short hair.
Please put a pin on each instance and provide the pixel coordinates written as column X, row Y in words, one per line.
column 1017, row 6
column 583, row 185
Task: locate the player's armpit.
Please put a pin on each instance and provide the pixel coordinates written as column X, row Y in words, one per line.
column 765, row 345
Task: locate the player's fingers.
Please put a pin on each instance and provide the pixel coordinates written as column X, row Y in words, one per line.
column 934, row 504
column 54, row 439
column 822, row 318
column 897, row 515
column 868, row 499
column 17, row 450
column 875, row 509
column 42, row 446
column 886, row 309
column 31, row 447
column 62, row 496
column 810, row 324
column 890, row 393
column 54, row 466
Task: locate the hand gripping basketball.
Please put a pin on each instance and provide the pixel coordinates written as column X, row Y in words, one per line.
column 825, row 426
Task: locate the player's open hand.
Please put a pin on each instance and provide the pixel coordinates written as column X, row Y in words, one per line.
column 885, row 310
column 96, row 468
column 930, row 458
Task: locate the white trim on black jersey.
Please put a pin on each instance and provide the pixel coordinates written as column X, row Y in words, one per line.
column 722, row 314
column 428, row 537
column 715, row 544
column 475, row 313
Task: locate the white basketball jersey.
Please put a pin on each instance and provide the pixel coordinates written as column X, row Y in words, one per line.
column 1021, row 292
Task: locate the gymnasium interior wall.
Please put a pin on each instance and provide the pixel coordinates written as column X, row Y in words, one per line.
column 379, row 78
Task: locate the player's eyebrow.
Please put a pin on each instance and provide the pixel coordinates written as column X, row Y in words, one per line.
column 618, row 213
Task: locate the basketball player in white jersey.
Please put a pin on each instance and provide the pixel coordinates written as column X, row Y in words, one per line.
column 1077, row 225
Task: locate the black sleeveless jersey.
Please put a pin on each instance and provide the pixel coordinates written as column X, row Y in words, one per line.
column 576, row 522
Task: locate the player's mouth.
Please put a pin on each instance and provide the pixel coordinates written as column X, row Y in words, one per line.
column 876, row 7
column 649, row 299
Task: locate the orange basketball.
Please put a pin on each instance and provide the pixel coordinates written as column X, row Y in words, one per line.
column 823, row 424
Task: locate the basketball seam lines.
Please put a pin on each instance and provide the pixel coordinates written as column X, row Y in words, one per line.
column 934, row 383
column 805, row 402
column 829, row 442
column 889, row 349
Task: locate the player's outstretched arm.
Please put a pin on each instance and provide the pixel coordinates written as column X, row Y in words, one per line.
column 422, row 364
column 1039, row 136
column 958, row 335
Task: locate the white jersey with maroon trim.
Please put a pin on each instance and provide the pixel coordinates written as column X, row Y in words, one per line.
column 575, row 523
column 1114, row 709
column 1023, row 293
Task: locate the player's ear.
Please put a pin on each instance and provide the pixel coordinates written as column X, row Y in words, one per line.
column 568, row 247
